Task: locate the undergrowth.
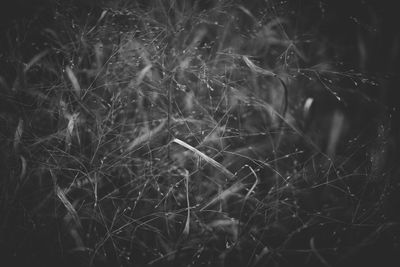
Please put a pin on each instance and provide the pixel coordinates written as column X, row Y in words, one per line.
column 184, row 133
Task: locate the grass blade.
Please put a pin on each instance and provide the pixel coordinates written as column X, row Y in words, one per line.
column 18, row 134
column 187, row 224
column 146, row 136
column 70, row 208
column 209, row 160
column 35, row 59
column 74, row 80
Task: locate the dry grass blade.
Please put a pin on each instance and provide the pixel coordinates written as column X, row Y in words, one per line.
column 18, row 134
column 103, row 14
column 233, row 189
column 143, row 74
column 255, row 182
column 256, row 68
column 307, row 107
column 337, row 127
column 35, row 59
column 262, row 71
column 205, row 157
column 72, row 119
column 247, row 12
column 23, row 168
column 73, row 80
column 70, row 208
column 146, row 136
column 187, row 224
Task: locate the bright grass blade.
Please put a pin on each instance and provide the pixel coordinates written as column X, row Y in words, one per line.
column 256, row 68
column 69, row 207
column 256, row 182
column 74, row 80
column 187, row 224
column 233, row 189
column 72, row 119
column 145, row 137
column 209, row 160
column 103, row 14
column 337, row 128
column 23, row 168
column 143, row 73
column 35, row 59
column 18, row 134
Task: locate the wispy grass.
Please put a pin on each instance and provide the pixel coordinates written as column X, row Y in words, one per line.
column 189, row 134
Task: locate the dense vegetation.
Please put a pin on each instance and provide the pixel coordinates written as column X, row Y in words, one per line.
column 196, row 133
